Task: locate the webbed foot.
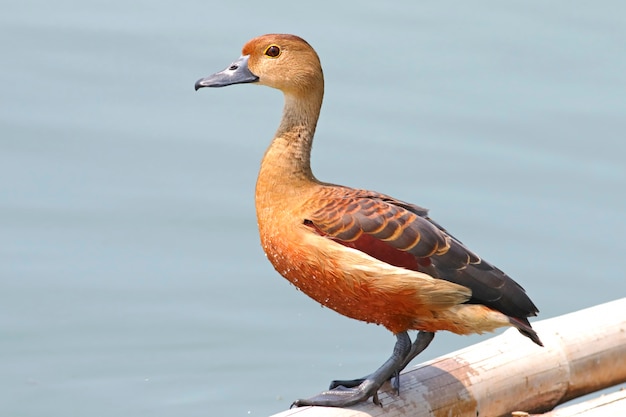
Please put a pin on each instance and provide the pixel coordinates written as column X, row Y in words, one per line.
column 344, row 393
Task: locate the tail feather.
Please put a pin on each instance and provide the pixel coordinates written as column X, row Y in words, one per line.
column 524, row 328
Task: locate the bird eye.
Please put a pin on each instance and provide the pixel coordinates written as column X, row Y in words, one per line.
column 273, row 51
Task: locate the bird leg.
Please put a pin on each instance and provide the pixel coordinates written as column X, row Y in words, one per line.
column 422, row 340
column 350, row 392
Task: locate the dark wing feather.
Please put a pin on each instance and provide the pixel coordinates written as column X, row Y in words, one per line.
column 402, row 234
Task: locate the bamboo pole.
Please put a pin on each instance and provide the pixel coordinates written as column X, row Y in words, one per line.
column 584, row 351
column 613, row 404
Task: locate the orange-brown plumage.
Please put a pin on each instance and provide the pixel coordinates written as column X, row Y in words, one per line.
column 363, row 254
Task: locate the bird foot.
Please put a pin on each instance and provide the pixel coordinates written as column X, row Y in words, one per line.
column 342, row 396
column 344, row 393
column 346, row 383
column 351, row 383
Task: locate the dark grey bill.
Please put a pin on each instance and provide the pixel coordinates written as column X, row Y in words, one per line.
column 236, row 73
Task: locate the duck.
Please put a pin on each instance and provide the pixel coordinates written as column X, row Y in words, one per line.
column 364, row 254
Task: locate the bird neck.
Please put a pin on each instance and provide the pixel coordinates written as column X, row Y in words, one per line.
column 287, row 161
column 285, row 178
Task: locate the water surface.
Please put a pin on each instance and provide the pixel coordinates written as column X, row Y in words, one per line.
column 132, row 278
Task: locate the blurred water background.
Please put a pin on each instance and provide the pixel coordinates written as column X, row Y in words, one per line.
column 131, row 278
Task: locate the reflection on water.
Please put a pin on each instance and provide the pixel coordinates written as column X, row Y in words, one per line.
column 132, row 278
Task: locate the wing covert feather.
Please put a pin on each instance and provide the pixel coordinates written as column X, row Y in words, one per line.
column 402, row 234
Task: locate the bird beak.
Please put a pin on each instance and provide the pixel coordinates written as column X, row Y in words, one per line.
column 236, row 73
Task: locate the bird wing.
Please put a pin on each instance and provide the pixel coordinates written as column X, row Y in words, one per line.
column 403, row 235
